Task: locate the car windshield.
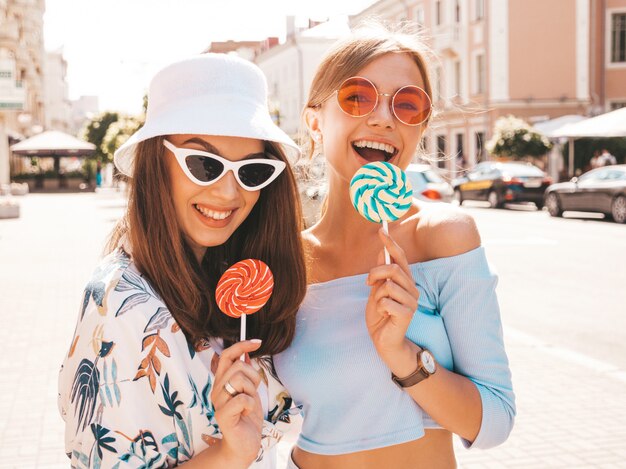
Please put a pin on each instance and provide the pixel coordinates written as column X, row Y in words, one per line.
column 432, row 176
column 603, row 174
column 522, row 170
column 617, row 175
column 593, row 175
column 416, row 177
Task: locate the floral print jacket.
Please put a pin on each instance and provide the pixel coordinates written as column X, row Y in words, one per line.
column 133, row 392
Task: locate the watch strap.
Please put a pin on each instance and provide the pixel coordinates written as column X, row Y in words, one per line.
column 417, row 376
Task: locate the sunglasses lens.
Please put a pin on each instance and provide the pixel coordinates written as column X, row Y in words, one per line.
column 411, row 105
column 203, row 168
column 357, row 97
column 255, row 174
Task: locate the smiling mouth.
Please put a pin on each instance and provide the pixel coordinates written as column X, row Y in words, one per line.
column 374, row 151
column 213, row 214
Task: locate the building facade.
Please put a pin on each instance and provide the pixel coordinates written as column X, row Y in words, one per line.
column 58, row 115
column 290, row 66
column 22, row 91
column 82, row 110
column 534, row 59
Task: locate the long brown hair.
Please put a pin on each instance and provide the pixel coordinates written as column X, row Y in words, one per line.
column 348, row 56
column 271, row 233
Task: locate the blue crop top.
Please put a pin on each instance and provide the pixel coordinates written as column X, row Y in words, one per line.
column 349, row 401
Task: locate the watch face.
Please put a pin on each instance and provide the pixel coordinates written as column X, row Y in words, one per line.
column 428, row 361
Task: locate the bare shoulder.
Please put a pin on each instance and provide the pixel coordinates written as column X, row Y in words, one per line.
column 445, row 230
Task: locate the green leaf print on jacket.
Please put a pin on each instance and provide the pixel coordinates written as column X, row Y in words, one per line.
column 86, row 385
column 170, row 400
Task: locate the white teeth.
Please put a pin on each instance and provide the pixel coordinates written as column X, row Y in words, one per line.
column 212, row 213
column 376, row 146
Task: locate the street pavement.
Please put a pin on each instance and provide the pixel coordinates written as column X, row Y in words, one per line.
column 571, row 404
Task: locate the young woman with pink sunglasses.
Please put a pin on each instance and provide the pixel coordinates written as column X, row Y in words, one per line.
column 389, row 361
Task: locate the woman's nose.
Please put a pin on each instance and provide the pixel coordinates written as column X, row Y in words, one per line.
column 227, row 188
column 382, row 115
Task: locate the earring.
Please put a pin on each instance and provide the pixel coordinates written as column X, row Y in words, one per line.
column 317, row 137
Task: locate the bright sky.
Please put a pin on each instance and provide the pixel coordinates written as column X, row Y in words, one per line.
column 113, row 47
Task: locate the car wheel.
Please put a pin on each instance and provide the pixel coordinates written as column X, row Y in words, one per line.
column 494, row 200
column 553, row 204
column 618, row 209
column 457, row 198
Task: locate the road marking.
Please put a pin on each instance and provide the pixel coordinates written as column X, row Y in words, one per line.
column 528, row 241
column 568, row 355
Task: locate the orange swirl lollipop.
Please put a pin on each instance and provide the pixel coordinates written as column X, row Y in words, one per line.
column 244, row 289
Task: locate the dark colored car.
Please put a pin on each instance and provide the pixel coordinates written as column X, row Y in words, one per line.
column 599, row 190
column 502, row 182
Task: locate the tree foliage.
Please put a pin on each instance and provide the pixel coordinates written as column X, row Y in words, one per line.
column 95, row 130
column 118, row 132
column 515, row 138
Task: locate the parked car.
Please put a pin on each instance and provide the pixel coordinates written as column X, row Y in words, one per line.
column 501, row 182
column 599, row 190
column 427, row 184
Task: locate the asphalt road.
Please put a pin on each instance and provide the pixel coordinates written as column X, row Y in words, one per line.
column 562, row 280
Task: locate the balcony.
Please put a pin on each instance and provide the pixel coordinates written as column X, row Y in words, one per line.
column 447, row 40
column 12, row 95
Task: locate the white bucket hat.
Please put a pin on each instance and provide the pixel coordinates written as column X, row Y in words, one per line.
column 210, row 94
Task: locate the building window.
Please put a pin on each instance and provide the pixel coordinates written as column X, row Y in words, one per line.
column 480, row 9
column 459, row 145
column 617, row 105
column 480, row 146
column 457, row 11
column 438, row 12
column 618, row 38
column 480, row 74
column 457, row 78
column 419, row 16
column 441, row 151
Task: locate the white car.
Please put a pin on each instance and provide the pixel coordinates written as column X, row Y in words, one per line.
column 427, row 184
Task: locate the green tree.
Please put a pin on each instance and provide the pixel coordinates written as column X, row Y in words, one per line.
column 515, row 138
column 118, row 132
column 95, row 130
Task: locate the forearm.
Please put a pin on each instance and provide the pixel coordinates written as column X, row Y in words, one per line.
column 452, row 400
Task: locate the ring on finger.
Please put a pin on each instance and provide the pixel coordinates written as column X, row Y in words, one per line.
column 230, row 389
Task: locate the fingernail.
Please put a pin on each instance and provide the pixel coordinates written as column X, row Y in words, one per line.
column 256, row 341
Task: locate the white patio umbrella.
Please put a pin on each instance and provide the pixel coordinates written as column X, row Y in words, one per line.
column 611, row 124
column 53, row 144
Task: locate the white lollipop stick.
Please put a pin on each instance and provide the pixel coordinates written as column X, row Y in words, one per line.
column 242, row 334
column 386, row 231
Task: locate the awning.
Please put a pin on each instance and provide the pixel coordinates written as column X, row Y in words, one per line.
column 611, row 124
column 550, row 128
column 53, row 143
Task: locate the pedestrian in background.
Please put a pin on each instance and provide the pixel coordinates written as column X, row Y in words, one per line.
column 606, row 158
column 153, row 376
column 390, row 360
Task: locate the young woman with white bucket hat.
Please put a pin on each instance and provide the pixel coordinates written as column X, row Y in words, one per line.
column 153, row 377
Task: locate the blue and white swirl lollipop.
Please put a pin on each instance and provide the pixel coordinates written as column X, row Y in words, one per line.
column 381, row 193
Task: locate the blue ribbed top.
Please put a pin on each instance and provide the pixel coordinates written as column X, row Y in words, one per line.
column 349, row 401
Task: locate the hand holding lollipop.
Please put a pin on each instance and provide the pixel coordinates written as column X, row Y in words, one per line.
column 381, row 192
column 244, row 289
